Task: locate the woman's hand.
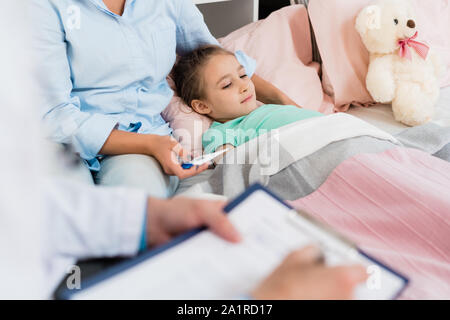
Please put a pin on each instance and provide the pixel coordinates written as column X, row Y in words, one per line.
column 303, row 276
column 167, row 219
column 168, row 152
column 164, row 148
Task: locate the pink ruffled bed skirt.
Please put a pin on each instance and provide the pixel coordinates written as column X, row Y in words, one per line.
column 396, row 206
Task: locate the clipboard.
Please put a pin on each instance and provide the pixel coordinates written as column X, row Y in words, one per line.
column 107, row 277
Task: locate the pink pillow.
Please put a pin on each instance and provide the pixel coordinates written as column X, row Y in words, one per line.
column 187, row 125
column 345, row 58
column 281, row 45
column 434, row 22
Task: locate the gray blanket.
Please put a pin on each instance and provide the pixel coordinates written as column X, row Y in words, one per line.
column 304, row 176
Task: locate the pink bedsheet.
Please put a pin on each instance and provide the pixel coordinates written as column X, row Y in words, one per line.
column 396, row 206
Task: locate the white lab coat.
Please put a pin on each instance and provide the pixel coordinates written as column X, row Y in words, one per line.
column 46, row 223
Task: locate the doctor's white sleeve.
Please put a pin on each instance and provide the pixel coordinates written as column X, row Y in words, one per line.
column 88, row 221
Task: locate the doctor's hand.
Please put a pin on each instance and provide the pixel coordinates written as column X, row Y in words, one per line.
column 167, row 150
column 167, row 219
column 304, row 276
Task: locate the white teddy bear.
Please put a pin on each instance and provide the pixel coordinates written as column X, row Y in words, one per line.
column 402, row 71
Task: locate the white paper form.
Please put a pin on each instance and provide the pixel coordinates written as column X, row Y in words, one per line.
column 206, row 267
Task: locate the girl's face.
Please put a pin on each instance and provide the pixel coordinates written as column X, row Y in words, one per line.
column 229, row 92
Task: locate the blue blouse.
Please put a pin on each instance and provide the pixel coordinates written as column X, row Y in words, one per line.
column 99, row 71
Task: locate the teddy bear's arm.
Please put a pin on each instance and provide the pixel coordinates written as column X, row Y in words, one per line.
column 436, row 61
column 380, row 79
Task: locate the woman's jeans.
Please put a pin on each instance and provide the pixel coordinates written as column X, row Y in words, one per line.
column 136, row 171
column 128, row 171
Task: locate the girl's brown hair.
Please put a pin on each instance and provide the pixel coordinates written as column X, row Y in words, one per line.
column 186, row 73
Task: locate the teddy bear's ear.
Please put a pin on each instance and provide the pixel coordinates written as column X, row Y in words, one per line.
column 368, row 19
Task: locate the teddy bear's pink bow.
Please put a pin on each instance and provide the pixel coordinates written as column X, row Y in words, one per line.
column 421, row 48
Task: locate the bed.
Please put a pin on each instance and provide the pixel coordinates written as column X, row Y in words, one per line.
column 393, row 202
column 399, row 211
column 381, row 115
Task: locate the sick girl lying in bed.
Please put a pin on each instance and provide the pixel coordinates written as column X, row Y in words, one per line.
column 389, row 199
column 213, row 83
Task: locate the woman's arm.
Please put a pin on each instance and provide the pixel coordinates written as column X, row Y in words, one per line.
column 62, row 113
column 165, row 149
column 123, row 142
column 269, row 94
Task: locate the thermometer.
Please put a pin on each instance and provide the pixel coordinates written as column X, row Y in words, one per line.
column 202, row 160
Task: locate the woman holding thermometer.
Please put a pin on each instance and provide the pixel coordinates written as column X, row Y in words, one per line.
column 106, row 63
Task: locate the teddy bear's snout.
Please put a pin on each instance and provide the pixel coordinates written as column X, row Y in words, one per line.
column 411, row 24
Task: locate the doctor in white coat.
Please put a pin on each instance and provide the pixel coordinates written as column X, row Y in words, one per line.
column 48, row 223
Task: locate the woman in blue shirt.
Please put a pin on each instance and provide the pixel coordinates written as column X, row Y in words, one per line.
column 103, row 66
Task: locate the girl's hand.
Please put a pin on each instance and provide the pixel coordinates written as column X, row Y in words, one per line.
column 168, row 152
